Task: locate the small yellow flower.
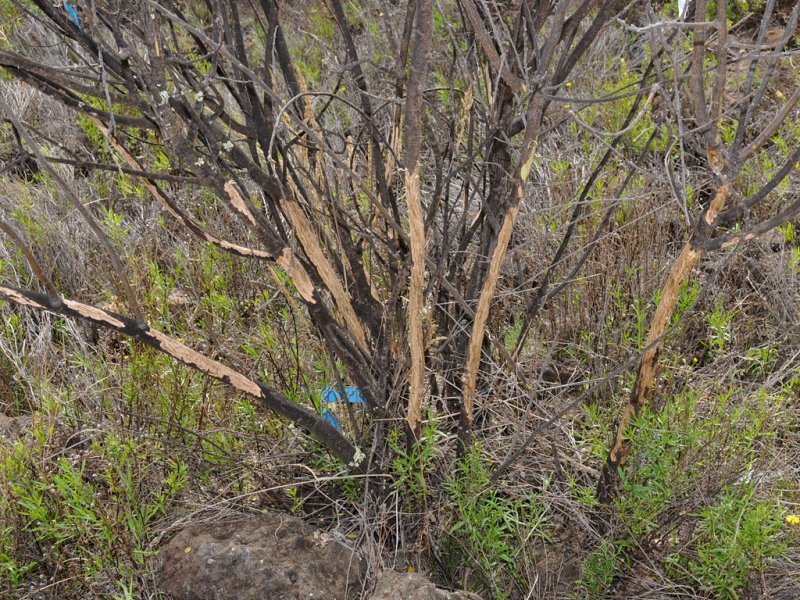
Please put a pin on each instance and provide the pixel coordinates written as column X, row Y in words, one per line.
column 793, row 520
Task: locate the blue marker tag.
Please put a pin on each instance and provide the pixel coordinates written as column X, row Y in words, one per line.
column 331, row 418
column 354, row 395
column 73, row 14
column 330, row 396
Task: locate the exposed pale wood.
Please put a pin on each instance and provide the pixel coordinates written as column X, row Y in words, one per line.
column 416, row 218
column 415, row 304
column 482, row 313
column 490, row 284
column 338, row 444
column 647, row 370
column 310, row 242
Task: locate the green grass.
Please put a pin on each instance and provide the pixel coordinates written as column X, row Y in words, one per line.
column 736, row 539
column 697, row 441
column 412, row 468
column 91, row 507
column 490, row 532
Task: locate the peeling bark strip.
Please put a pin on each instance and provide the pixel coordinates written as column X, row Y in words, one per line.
column 648, row 365
column 416, row 219
column 490, row 283
column 275, row 401
column 482, row 314
column 294, row 269
column 181, row 217
column 238, row 202
column 415, row 305
column 310, row 243
column 287, row 260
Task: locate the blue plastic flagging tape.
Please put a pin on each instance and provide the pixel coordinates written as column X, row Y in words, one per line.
column 330, row 396
column 73, row 14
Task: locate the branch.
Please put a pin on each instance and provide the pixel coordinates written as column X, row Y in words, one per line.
column 413, row 118
column 275, row 401
column 120, row 280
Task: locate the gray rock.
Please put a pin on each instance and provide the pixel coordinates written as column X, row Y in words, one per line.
column 271, row 557
column 412, row 586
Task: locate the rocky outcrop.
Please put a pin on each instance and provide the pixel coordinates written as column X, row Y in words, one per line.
column 277, row 557
column 271, row 557
column 411, row 586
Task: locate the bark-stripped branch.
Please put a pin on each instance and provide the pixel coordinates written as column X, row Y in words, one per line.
column 412, row 131
column 316, row 425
